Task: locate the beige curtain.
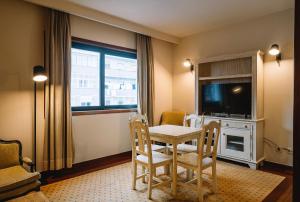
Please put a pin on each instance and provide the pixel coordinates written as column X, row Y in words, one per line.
column 58, row 148
column 145, row 76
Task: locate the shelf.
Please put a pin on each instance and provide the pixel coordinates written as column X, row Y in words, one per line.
column 225, row 77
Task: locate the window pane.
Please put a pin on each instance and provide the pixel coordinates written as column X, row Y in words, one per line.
column 120, row 80
column 85, row 78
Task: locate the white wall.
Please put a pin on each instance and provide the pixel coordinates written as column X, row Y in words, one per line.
column 163, row 70
column 253, row 35
column 95, row 31
column 96, row 136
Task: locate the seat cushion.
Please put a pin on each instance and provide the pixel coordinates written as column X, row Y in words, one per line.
column 192, row 159
column 16, row 176
column 9, row 155
column 186, row 148
column 157, row 158
column 155, row 147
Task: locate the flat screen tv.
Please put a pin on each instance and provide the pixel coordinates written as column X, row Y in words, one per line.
column 227, row 99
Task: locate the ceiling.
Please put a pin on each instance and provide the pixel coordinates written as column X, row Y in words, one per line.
column 181, row 18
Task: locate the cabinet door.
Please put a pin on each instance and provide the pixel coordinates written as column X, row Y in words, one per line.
column 235, row 143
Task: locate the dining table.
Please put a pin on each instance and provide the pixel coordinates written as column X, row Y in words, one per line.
column 173, row 134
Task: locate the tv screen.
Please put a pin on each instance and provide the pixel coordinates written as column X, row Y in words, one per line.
column 228, row 99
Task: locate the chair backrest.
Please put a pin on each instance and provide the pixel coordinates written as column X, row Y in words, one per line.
column 140, row 139
column 172, row 118
column 193, row 120
column 10, row 153
column 210, row 137
column 141, row 117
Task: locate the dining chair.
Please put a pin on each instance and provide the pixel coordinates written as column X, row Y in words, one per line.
column 143, row 154
column 144, row 119
column 193, row 121
column 205, row 157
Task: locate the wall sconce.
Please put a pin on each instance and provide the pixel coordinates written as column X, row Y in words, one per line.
column 274, row 50
column 188, row 64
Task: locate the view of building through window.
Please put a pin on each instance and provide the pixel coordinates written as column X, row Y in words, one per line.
column 120, row 79
column 85, row 78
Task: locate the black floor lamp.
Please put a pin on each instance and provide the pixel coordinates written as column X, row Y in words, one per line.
column 39, row 75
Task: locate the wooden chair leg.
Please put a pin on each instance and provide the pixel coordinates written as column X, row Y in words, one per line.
column 170, row 166
column 150, row 182
column 143, row 172
column 214, row 176
column 189, row 174
column 199, row 185
column 166, row 169
column 167, row 149
column 134, row 174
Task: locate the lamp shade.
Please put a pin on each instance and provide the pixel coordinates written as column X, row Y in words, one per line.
column 274, row 50
column 187, row 63
column 39, row 74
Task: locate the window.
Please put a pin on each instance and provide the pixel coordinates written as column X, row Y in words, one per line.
column 102, row 78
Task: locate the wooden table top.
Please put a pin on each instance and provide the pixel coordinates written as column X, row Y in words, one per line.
column 172, row 132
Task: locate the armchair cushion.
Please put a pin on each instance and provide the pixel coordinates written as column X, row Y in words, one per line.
column 16, row 176
column 9, row 155
column 172, row 118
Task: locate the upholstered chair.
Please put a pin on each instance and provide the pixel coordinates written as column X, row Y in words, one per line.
column 172, row 118
column 15, row 180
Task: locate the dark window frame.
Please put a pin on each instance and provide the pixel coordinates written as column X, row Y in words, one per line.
column 103, row 49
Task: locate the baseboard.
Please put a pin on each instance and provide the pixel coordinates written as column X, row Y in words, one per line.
column 283, row 166
column 85, row 167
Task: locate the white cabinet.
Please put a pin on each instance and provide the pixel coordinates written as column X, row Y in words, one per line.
column 241, row 137
column 240, row 140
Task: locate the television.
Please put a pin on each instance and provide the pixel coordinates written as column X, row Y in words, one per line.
column 227, row 99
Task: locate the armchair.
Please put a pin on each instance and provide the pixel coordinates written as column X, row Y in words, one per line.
column 172, row 118
column 15, row 180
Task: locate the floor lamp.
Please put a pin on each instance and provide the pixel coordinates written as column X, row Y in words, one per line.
column 39, row 76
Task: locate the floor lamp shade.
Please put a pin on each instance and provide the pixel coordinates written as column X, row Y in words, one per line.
column 39, row 74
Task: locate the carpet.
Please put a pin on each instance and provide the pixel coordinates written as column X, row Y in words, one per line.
column 234, row 183
column 31, row 197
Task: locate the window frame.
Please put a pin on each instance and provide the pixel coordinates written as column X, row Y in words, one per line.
column 103, row 49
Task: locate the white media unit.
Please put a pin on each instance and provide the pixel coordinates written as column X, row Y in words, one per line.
column 240, row 139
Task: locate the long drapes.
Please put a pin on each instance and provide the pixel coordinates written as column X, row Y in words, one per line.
column 58, row 148
column 145, row 76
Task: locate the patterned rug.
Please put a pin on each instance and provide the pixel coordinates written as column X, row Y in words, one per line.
column 235, row 183
column 31, row 197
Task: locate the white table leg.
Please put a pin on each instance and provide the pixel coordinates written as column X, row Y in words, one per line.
column 174, row 184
